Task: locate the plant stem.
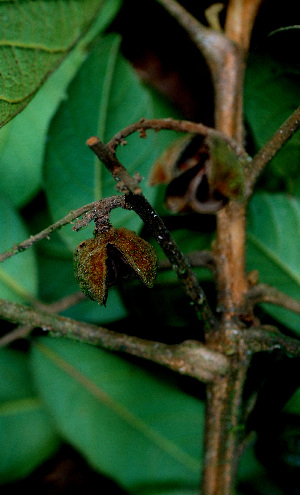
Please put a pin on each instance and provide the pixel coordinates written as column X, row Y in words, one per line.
column 268, row 151
column 223, row 58
column 137, row 201
column 240, row 18
column 188, row 358
column 172, row 125
column 104, row 205
column 224, row 430
column 231, row 221
column 230, row 261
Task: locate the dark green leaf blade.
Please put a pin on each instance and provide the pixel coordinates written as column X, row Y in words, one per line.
column 27, row 436
column 273, row 248
column 104, row 97
column 36, row 35
column 272, row 93
column 130, row 425
column 18, row 275
column 22, row 140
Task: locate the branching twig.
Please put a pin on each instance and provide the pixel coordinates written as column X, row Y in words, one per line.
column 240, row 17
column 63, row 303
column 23, row 331
column 172, row 125
column 225, row 60
column 203, row 258
column 268, row 151
column 268, row 340
column 104, row 205
column 265, row 293
column 189, row 358
column 137, row 201
column 212, row 43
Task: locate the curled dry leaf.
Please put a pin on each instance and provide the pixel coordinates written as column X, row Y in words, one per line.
column 202, row 174
column 111, row 257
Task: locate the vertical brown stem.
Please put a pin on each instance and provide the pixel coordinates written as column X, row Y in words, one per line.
column 240, row 18
column 231, row 223
column 230, row 240
column 223, row 433
column 228, row 82
column 230, row 252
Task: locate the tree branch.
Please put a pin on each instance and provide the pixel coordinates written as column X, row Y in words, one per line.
column 269, row 339
column 172, row 125
column 103, row 207
column 22, row 331
column 189, row 358
column 240, row 19
column 137, row 201
column 265, row 293
column 203, row 258
column 225, row 60
column 269, row 150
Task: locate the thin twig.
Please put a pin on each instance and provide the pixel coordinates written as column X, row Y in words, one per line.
column 265, row 293
column 225, row 60
column 137, row 201
column 23, row 331
column 63, row 303
column 203, row 259
column 172, row 125
column 103, row 205
column 269, row 150
column 268, row 340
column 210, row 42
column 189, row 358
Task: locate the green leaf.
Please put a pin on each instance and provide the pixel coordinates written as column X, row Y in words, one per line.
column 273, row 249
column 18, row 274
column 22, row 140
column 293, row 405
column 131, row 425
column 104, row 97
column 27, row 436
column 272, row 93
column 36, row 36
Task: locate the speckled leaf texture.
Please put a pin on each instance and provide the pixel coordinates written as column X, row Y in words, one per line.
column 35, row 36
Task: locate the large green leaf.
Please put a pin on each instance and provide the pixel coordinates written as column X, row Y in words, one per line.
column 272, row 93
column 36, row 35
column 104, row 97
column 18, row 275
column 22, row 140
column 131, row 425
column 27, row 436
column 273, row 248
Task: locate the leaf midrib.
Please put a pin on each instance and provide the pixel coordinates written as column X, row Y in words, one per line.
column 103, row 111
column 121, row 411
column 273, row 257
column 20, row 406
